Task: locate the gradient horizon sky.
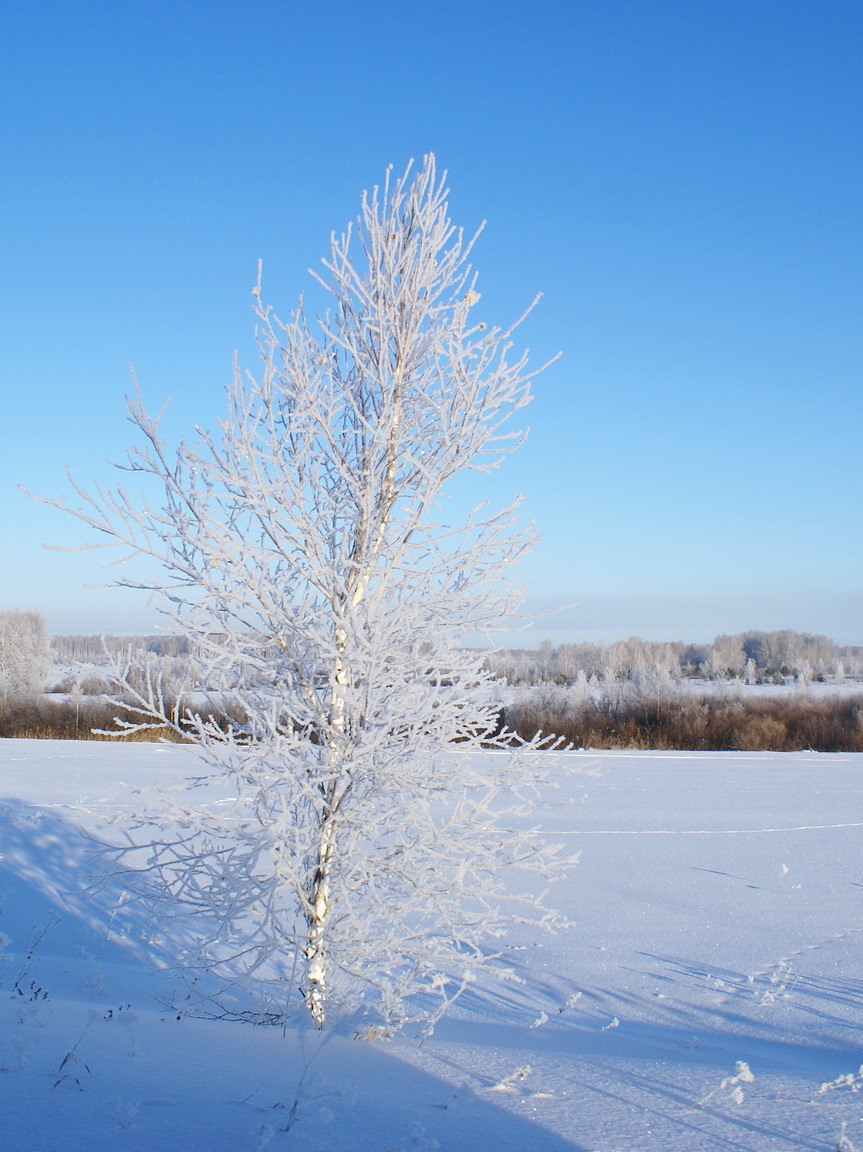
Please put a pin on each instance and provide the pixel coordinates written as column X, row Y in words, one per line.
column 681, row 180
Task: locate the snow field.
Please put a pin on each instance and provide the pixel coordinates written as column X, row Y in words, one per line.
column 710, row 984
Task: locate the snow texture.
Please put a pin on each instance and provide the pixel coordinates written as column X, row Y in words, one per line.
column 708, row 996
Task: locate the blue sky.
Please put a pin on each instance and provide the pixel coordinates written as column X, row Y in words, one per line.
column 681, row 180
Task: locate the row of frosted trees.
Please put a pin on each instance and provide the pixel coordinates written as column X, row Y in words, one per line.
column 752, row 656
column 26, row 656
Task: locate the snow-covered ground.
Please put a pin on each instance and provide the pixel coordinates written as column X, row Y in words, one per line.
column 814, row 689
column 712, row 983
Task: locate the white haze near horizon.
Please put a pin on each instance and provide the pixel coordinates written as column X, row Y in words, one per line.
column 600, row 618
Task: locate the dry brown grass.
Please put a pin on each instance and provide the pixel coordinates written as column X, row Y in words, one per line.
column 35, row 718
column 90, row 718
column 686, row 722
column 708, row 723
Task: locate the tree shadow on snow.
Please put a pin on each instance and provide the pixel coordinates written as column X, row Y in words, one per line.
column 61, row 901
column 75, row 932
column 791, row 1017
column 383, row 1091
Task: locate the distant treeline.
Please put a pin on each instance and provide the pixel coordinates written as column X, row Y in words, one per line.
column 95, row 648
column 757, row 657
column 633, row 693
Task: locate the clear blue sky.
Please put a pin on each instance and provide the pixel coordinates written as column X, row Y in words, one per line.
column 682, row 180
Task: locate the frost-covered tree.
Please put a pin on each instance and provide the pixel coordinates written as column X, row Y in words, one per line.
column 25, row 652
column 727, row 656
column 306, row 556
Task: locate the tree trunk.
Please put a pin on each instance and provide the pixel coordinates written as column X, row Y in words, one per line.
column 316, row 945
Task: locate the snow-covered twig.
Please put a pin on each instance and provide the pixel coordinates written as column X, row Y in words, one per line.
column 743, row 1074
column 852, row 1080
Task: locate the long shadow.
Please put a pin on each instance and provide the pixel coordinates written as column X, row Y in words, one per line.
column 753, row 1012
column 743, row 999
column 72, row 873
column 61, row 905
column 832, row 1004
column 631, row 1060
column 627, row 1046
column 687, row 1041
column 75, row 932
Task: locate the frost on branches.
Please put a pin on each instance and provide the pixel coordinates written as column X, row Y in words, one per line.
column 25, row 653
column 308, row 562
